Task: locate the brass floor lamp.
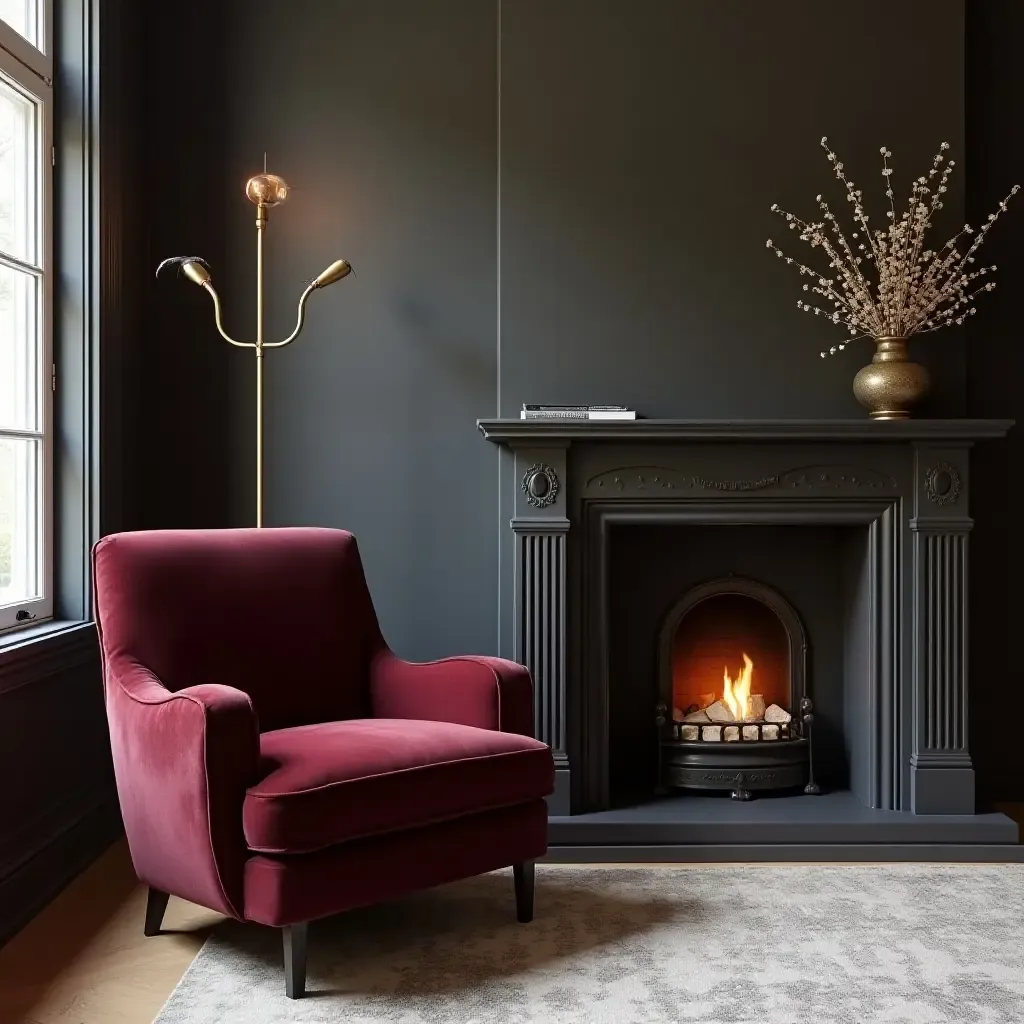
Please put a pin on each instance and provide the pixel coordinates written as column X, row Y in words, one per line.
column 265, row 190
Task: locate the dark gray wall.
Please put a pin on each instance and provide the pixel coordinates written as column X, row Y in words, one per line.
column 383, row 117
column 620, row 187
column 642, row 145
column 623, row 180
column 995, row 371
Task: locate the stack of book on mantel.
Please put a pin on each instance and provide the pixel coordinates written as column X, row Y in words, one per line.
column 577, row 412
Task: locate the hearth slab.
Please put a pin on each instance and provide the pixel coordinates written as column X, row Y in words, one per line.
column 782, row 853
column 789, row 820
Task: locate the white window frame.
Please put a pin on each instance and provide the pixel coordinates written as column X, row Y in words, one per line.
column 29, row 70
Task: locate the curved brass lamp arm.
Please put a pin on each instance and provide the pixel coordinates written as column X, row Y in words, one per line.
column 298, row 323
column 220, row 327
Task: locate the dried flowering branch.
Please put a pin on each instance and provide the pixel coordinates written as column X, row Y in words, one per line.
column 884, row 282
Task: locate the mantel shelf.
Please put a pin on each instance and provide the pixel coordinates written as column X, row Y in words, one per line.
column 509, row 431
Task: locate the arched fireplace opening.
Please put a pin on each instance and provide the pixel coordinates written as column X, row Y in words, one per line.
column 709, row 646
column 734, row 711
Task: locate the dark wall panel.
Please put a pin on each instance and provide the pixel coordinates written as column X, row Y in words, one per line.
column 642, row 145
column 995, row 370
column 59, row 809
column 382, row 117
column 179, row 452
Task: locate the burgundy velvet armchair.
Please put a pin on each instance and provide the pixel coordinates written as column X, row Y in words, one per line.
column 275, row 761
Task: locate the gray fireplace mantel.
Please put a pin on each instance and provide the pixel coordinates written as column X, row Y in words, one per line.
column 516, row 432
column 565, row 487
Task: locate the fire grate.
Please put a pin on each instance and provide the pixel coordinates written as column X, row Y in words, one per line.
column 736, row 732
column 738, row 755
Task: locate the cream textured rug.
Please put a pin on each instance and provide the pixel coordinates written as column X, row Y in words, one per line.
column 899, row 944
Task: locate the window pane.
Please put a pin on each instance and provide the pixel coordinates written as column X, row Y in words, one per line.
column 23, row 17
column 20, row 374
column 18, row 145
column 20, row 521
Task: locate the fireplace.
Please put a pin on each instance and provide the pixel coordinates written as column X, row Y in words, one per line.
column 733, row 711
column 639, row 563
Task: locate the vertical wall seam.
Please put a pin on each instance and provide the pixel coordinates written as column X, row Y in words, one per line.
column 497, row 216
column 497, row 290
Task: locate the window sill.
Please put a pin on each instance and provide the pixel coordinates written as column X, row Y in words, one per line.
column 38, row 651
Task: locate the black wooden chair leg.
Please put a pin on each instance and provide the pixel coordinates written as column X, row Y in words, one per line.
column 156, row 904
column 295, row 960
column 522, row 873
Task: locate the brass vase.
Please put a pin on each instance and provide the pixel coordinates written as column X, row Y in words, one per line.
column 891, row 385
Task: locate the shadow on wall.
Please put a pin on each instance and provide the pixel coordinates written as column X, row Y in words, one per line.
column 995, row 370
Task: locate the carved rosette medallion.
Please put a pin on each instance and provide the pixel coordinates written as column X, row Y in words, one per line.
column 942, row 484
column 540, row 485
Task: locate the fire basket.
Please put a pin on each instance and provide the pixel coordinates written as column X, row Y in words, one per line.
column 721, row 727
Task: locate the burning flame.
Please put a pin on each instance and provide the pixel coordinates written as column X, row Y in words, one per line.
column 736, row 694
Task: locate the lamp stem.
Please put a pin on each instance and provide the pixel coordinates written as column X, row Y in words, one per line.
column 261, row 223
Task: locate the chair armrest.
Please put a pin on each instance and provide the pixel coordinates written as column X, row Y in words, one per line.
column 490, row 693
column 182, row 762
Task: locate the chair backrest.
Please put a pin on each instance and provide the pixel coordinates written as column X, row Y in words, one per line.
column 283, row 614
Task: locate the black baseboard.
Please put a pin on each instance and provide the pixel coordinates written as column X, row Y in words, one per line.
column 25, row 891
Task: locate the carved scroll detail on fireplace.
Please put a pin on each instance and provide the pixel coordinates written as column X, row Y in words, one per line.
column 639, row 479
column 837, row 477
column 734, row 485
column 646, row 479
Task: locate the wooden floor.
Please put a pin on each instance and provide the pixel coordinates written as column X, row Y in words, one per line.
column 84, row 959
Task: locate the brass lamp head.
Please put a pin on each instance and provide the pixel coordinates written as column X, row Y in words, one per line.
column 196, row 272
column 335, row 272
column 266, row 189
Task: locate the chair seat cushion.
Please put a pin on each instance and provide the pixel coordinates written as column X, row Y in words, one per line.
column 328, row 783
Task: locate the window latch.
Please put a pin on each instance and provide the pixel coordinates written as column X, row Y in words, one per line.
column 23, row 616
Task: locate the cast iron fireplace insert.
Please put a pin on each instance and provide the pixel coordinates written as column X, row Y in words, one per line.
column 733, row 710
